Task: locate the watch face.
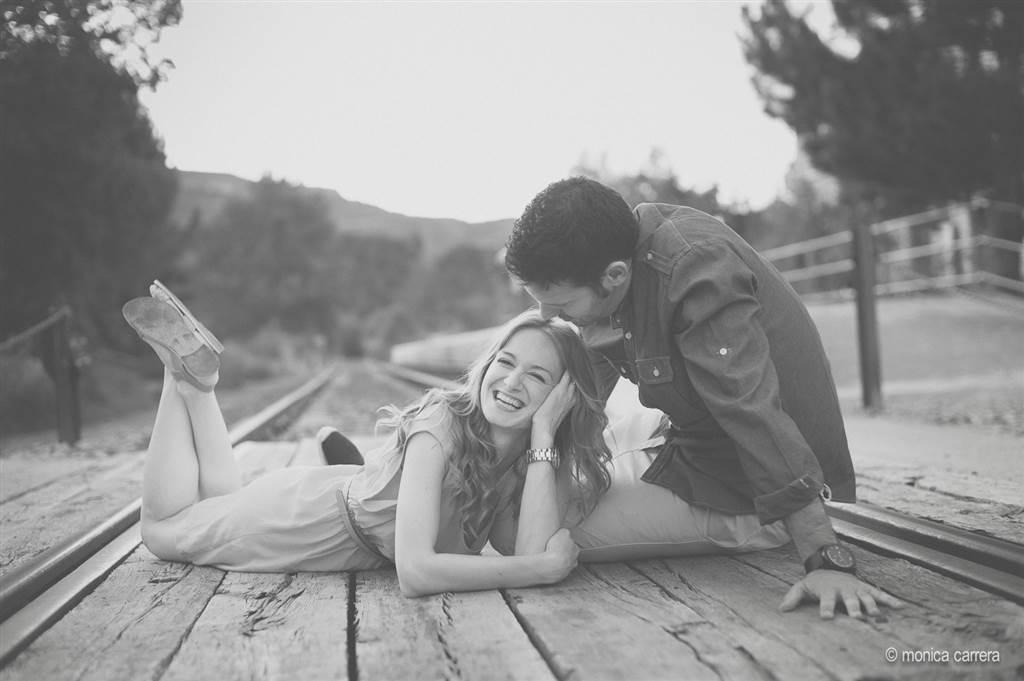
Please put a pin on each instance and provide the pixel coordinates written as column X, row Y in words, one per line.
column 838, row 555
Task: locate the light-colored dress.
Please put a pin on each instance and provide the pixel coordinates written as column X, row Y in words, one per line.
column 324, row 518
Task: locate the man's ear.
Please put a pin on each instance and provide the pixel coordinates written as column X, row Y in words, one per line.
column 615, row 275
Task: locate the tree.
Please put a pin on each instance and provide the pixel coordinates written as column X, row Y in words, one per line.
column 919, row 100
column 83, row 181
column 276, row 256
column 266, row 257
column 658, row 182
column 119, row 32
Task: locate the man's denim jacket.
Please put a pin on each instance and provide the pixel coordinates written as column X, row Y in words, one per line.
column 716, row 338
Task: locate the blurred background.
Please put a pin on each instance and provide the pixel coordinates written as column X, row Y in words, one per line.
column 332, row 179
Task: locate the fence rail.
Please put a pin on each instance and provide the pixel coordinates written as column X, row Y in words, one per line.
column 953, row 261
column 61, row 365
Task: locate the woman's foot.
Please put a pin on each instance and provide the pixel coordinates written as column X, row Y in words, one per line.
column 338, row 449
column 162, row 293
column 179, row 346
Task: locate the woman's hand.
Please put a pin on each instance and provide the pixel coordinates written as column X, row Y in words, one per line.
column 561, row 554
column 555, row 406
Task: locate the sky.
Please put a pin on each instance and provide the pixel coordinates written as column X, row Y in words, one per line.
column 465, row 110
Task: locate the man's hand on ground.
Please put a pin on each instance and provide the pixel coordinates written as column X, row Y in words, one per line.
column 826, row 586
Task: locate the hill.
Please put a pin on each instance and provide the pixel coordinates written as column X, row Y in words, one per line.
column 202, row 196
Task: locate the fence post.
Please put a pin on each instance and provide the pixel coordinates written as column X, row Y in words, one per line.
column 867, row 318
column 69, row 419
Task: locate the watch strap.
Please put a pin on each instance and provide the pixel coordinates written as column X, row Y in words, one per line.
column 548, row 454
column 819, row 560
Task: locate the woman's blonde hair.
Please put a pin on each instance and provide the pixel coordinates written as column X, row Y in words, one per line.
column 474, row 463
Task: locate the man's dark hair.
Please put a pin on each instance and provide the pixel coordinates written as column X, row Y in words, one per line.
column 569, row 233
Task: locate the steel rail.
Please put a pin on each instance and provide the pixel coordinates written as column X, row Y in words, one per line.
column 37, row 594
column 987, row 562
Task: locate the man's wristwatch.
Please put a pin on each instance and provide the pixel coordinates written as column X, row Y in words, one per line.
column 832, row 557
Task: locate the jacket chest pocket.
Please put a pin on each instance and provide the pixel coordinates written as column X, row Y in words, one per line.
column 654, row 371
column 662, row 387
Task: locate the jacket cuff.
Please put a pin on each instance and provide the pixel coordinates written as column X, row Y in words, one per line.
column 791, row 498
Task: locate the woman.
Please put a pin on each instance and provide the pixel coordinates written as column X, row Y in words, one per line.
column 522, row 432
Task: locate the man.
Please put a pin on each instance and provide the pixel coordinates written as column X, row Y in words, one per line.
column 714, row 337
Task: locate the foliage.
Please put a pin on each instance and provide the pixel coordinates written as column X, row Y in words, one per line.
column 83, row 185
column 467, row 289
column 83, row 181
column 658, row 182
column 919, row 101
column 276, row 257
column 119, row 32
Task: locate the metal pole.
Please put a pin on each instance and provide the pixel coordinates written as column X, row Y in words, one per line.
column 867, row 319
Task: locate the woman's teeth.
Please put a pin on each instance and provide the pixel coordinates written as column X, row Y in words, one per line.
column 508, row 400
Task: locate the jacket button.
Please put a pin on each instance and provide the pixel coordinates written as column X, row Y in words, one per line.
column 629, row 335
column 723, row 352
column 656, row 372
column 650, row 256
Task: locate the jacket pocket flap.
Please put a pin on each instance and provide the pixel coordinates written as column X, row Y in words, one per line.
column 654, row 370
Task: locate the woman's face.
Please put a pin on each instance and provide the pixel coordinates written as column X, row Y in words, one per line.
column 522, row 374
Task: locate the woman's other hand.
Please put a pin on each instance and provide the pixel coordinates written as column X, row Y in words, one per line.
column 556, row 406
column 562, row 554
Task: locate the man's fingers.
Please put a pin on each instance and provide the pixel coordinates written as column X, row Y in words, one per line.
column 869, row 603
column 828, row 605
column 852, row 604
column 793, row 597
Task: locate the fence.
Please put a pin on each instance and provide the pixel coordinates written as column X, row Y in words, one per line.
column 54, row 333
column 937, row 249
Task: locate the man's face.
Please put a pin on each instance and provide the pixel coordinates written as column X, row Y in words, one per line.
column 581, row 305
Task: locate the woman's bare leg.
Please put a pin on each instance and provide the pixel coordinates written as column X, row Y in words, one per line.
column 190, row 456
column 218, row 469
column 170, row 480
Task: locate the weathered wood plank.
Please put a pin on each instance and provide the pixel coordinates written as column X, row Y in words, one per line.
column 22, row 474
column 1008, row 489
column 75, row 502
column 1005, row 521
column 35, row 521
column 128, row 628
column 610, row 622
column 269, row 626
column 940, row 614
column 721, row 637
column 450, row 636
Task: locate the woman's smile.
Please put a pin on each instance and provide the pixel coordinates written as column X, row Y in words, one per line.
column 519, row 378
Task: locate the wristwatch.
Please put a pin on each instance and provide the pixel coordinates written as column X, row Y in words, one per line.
column 832, row 557
column 549, row 454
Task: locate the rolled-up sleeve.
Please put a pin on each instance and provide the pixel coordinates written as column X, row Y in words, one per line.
column 718, row 331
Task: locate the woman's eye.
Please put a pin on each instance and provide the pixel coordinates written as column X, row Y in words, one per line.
column 537, row 376
column 504, row 362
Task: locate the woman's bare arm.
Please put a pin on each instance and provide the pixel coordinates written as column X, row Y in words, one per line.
column 422, row 571
column 542, row 508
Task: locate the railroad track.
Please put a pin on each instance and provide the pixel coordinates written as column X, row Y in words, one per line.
column 987, row 562
column 38, row 593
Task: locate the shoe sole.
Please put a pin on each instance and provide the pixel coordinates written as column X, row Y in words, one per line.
column 186, row 354
column 158, row 290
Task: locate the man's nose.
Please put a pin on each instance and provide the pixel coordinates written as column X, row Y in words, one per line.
column 548, row 312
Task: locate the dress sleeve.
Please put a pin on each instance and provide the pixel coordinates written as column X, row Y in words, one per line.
column 434, row 421
column 718, row 331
